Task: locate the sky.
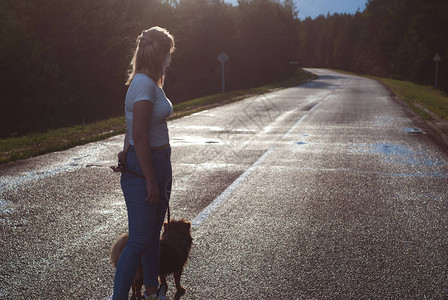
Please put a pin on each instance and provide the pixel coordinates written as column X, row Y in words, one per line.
column 314, row 8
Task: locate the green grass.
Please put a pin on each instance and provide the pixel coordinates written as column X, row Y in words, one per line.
column 424, row 100
column 16, row 148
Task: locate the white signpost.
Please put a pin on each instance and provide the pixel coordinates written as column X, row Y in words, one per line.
column 223, row 57
column 437, row 59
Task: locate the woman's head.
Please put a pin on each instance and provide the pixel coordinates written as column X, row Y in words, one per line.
column 153, row 54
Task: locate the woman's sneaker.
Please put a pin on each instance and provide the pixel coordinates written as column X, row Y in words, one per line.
column 162, row 292
column 150, row 297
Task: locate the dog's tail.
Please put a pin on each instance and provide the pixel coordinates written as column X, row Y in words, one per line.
column 117, row 248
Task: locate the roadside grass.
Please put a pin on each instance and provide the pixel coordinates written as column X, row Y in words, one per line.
column 424, row 100
column 35, row 144
column 16, row 148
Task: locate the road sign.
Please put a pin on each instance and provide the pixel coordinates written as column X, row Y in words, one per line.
column 437, row 57
column 223, row 57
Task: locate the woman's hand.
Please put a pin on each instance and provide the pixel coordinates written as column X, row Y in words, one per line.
column 121, row 159
column 153, row 192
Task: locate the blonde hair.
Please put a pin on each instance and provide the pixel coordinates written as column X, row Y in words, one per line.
column 153, row 46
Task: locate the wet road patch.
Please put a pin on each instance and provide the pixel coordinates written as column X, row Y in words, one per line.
column 402, row 154
column 193, row 140
column 414, row 130
column 85, row 156
column 5, row 206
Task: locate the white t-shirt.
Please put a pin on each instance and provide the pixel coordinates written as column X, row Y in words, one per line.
column 143, row 88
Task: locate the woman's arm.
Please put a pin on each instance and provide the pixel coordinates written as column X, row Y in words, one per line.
column 140, row 135
column 122, row 154
column 126, row 142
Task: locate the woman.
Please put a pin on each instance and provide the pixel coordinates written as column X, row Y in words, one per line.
column 146, row 153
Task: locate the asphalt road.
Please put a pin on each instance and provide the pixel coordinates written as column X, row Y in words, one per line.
column 326, row 190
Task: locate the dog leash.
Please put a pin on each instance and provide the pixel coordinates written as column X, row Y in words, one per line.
column 122, row 168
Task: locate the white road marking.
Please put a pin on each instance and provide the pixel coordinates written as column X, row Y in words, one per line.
column 303, row 118
column 294, row 127
column 270, row 127
column 315, row 106
column 202, row 216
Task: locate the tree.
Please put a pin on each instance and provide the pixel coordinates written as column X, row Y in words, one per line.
column 205, row 28
column 268, row 39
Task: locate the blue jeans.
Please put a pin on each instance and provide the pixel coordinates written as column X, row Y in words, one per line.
column 145, row 222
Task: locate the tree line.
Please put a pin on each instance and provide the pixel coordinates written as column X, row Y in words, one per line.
column 390, row 38
column 65, row 62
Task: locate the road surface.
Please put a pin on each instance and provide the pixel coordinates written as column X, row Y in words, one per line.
column 327, row 190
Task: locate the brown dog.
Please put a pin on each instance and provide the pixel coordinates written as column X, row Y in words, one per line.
column 175, row 245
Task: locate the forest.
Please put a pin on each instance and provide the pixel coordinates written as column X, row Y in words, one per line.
column 65, row 62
